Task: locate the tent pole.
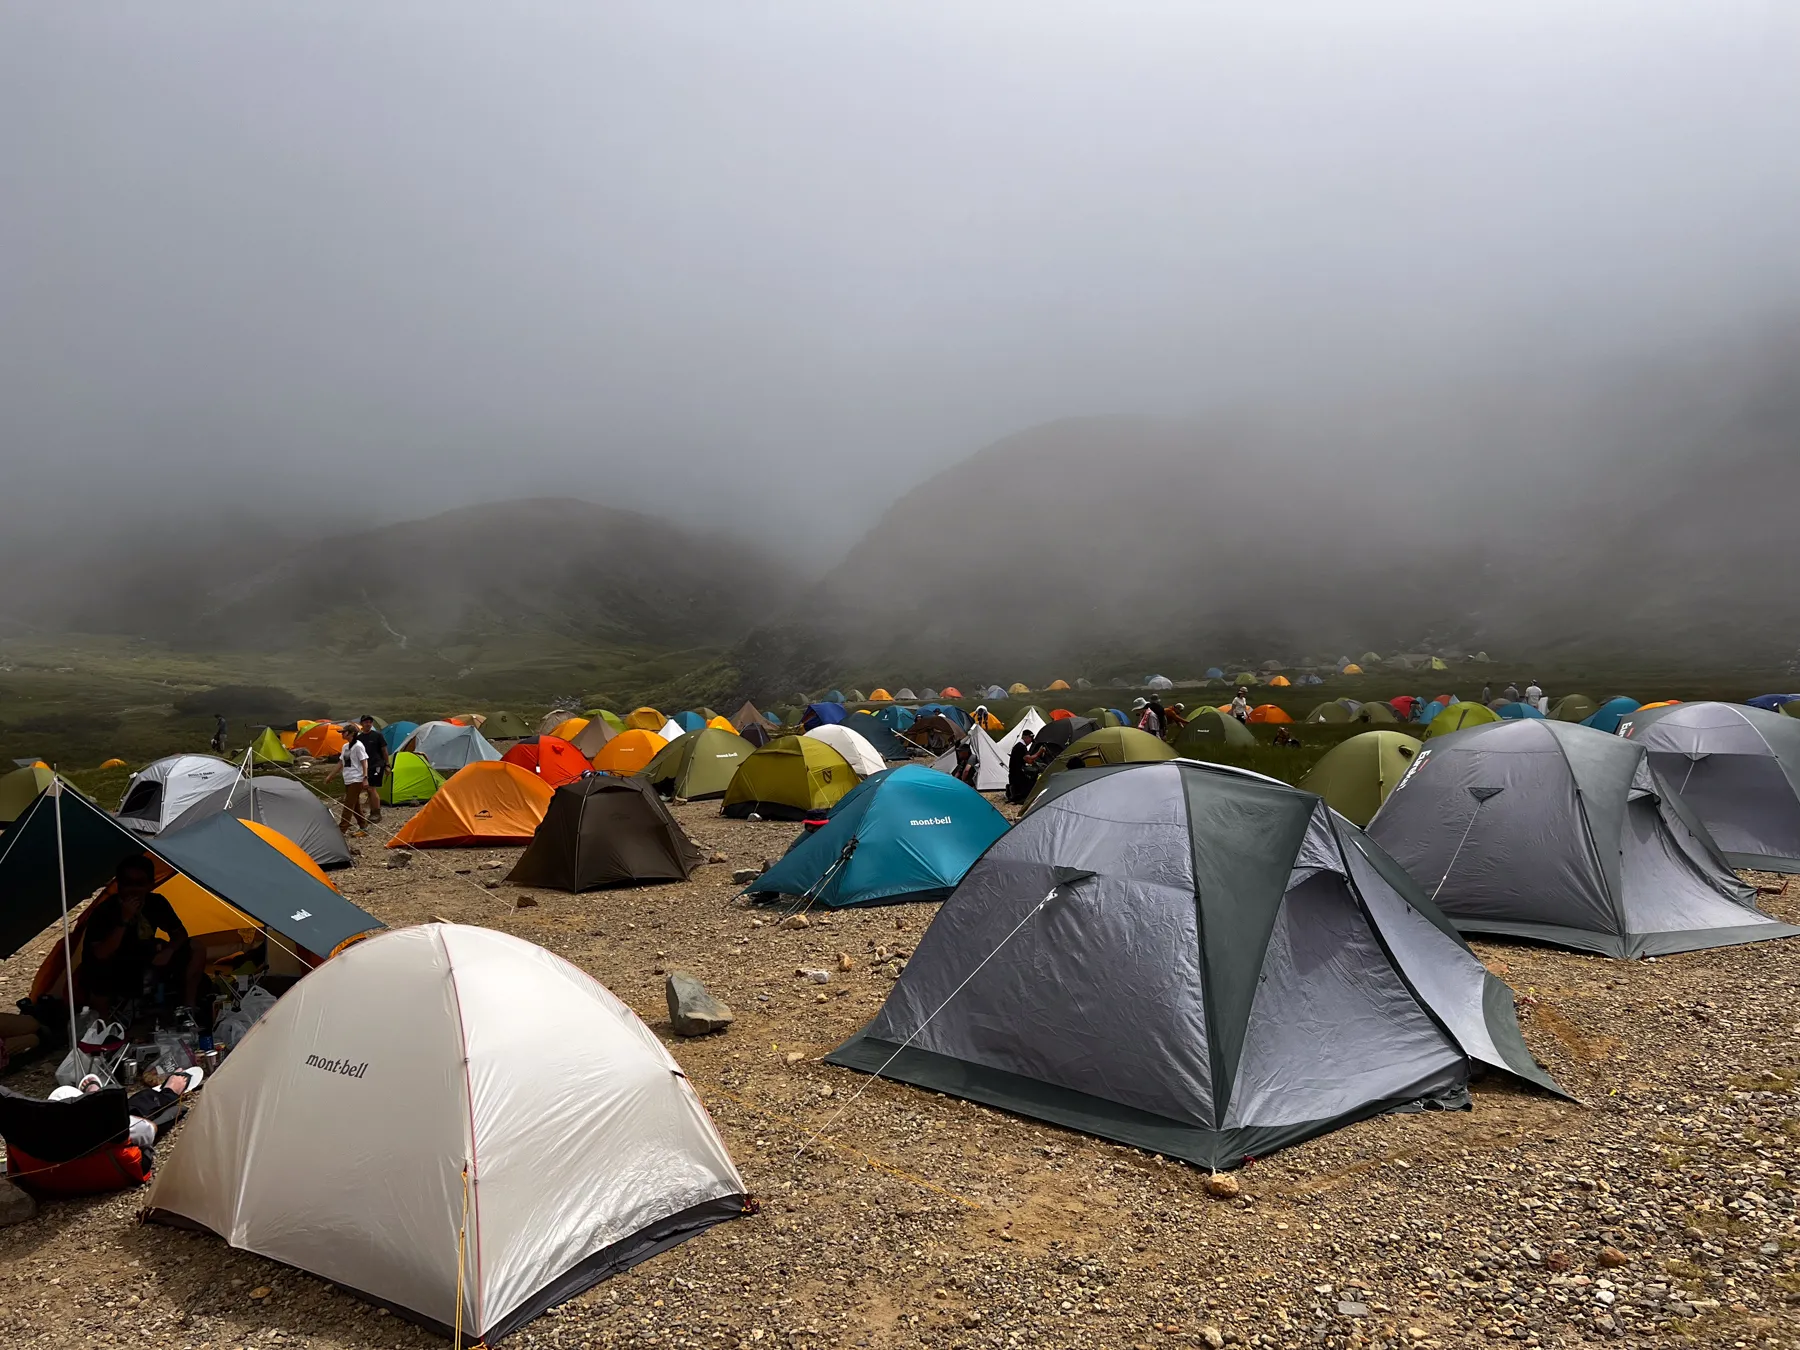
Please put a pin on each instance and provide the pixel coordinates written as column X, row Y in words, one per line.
column 62, row 881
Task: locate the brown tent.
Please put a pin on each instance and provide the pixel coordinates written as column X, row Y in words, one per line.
column 594, row 735
column 606, row 831
column 748, row 715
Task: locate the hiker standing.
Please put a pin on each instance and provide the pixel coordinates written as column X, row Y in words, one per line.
column 1487, row 694
column 1510, row 693
column 1240, row 705
column 353, row 764
column 218, row 736
column 376, row 744
column 1157, row 716
column 1019, row 776
column 1534, row 696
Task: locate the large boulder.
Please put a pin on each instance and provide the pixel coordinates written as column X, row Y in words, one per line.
column 692, row 1010
column 15, row 1205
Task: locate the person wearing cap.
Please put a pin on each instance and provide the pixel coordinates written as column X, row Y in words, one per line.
column 1240, row 704
column 353, row 764
column 1175, row 716
column 376, row 744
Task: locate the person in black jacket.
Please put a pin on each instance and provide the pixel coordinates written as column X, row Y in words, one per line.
column 1020, row 775
column 376, row 744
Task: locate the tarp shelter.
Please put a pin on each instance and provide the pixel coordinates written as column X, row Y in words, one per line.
column 822, row 715
column 991, row 769
column 268, row 749
column 1330, row 712
column 1209, row 729
column 1159, row 682
column 594, row 736
column 448, row 748
column 1609, row 714
column 322, row 740
column 1459, row 717
column 1194, row 961
column 606, row 831
column 488, row 802
column 1738, row 768
column 283, row 804
column 406, row 1125
column 235, row 879
column 790, row 778
column 644, row 719
column 699, row 765
column 857, row 752
column 1270, row 713
column 1516, row 711
column 396, row 733
column 1356, row 776
column 1106, row 745
column 903, row 834
column 410, row 780
column 1558, row 833
column 1032, row 720
column 19, row 789
column 629, row 752
column 162, row 790
column 550, row 757
column 505, row 726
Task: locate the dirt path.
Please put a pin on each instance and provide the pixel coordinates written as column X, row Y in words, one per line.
column 923, row 1220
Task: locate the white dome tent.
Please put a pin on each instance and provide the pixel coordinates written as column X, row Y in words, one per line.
column 852, row 745
column 162, row 790
column 409, row 1124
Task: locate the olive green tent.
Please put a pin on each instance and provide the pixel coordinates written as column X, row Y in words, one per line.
column 410, row 779
column 1209, row 729
column 1104, row 717
column 268, row 749
column 19, row 789
column 1330, row 712
column 1245, row 679
column 505, row 726
column 1460, row 715
column 1574, row 708
column 698, row 765
column 790, row 778
column 1377, row 713
column 1355, row 778
column 612, row 719
column 1437, row 663
column 1108, row 745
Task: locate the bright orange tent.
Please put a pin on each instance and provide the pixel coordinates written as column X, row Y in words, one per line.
column 722, row 724
column 1280, row 682
column 1057, row 684
column 644, row 719
column 570, row 728
column 950, row 691
column 487, row 802
column 1351, row 669
column 550, row 757
column 628, row 752
column 881, row 696
column 288, row 849
column 322, row 740
column 1060, row 714
column 1268, row 712
column 1666, row 703
column 991, row 724
column 113, row 764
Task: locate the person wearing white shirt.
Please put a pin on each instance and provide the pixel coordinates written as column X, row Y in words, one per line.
column 353, row 764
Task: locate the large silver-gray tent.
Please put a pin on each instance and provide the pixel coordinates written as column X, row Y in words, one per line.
column 1738, row 768
column 1564, row 834
column 283, row 804
column 1191, row 959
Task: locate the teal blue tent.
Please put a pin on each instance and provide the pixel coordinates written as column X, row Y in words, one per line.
column 395, row 734
column 888, row 743
column 896, row 718
column 1517, row 711
column 1610, row 713
column 689, row 721
column 904, row 834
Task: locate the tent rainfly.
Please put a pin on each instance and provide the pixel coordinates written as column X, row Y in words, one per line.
column 606, row 831
column 284, row 805
column 161, row 791
column 990, row 764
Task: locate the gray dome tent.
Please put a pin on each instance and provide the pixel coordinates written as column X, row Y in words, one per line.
column 285, row 805
column 1556, row 832
column 1738, row 768
column 1195, row 960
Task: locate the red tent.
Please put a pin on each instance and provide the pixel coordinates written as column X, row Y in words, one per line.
column 550, row 757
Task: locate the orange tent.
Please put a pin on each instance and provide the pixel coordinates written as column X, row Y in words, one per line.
column 487, row 802
column 1351, row 669
column 990, row 723
column 113, row 764
column 950, row 691
column 1057, row 684
column 1268, row 712
column 550, row 757
column 1280, row 682
column 628, row 752
column 644, row 719
column 1060, row 714
column 570, row 728
column 288, row 849
column 881, row 696
column 722, row 724
column 1666, row 703
column 322, row 740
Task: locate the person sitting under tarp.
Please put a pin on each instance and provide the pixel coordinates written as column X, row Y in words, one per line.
column 122, row 956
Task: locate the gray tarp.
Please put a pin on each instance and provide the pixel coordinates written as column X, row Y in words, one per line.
column 1557, row 832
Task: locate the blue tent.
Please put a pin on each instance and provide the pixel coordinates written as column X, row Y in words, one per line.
column 903, row 834
column 1429, row 711
column 896, row 718
column 835, row 696
column 821, row 715
column 1772, row 702
column 395, row 734
column 690, row 721
column 949, row 710
column 993, row 691
column 888, row 743
column 1608, row 715
column 1519, row 711
column 1214, row 673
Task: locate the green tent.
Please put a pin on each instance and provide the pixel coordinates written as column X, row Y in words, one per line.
column 1333, row 711
column 1377, row 713
column 1355, row 778
column 1437, row 663
column 790, row 778
column 698, row 765
column 268, row 749
column 19, row 789
column 1109, row 745
column 1460, row 715
column 1104, row 717
column 1207, row 730
column 1245, row 680
column 612, row 719
column 1574, row 708
column 1369, row 658
column 1791, row 709
column 505, row 726
column 410, row 780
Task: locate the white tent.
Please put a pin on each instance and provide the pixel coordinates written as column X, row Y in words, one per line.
column 991, row 768
column 672, row 730
column 448, row 747
column 407, row 1102
column 162, row 790
column 1030, row 720
column 856, row 750
column 1159, row 682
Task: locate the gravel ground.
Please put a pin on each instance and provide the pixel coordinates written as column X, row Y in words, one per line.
column 1658, row 1211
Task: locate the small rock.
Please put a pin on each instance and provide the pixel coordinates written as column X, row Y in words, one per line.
column 493, row 866
column 744, row 876
column 692, row 1010
column 261, row 1292
column 1769, row 1249
column 1351, row 1308
column 720, row 858
column 491, row 885
column 754, row 816
column 1558, row 1261
column 795, row 921
column 15, row 1205
column 1612, row 1258
column 846, row 961
column 794, row 1056
column 1416, row 1333
column 1223, row 1186
column 814, row 975
column 1212, row 1338
column 525, row 902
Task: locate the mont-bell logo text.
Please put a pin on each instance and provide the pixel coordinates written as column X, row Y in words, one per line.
column 348, row 1068
column 932, row 820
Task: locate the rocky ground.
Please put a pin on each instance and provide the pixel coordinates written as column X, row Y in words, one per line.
column 1660, row 1210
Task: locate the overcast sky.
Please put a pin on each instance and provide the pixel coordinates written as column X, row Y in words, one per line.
column 700, row 258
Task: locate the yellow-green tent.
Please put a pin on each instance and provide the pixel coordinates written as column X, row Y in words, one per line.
column 1109, row 745
column 790, row 778
column 268, row 749
column 20, row 788
column 1355, row 778
column 410, row 779
column 1460, row 715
